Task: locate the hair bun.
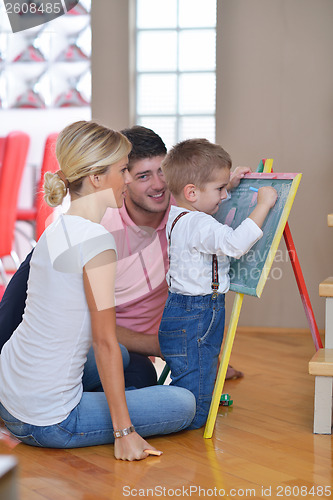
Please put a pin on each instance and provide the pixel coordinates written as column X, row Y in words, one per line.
column 55, row 189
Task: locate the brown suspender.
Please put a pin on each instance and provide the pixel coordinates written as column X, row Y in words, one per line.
column 215, row 269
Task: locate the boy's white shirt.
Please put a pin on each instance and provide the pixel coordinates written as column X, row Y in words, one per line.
column 194, row 239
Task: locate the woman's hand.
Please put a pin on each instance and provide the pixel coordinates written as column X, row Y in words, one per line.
column 131, row 447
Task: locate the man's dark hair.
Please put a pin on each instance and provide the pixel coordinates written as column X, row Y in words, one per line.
column 145, row 143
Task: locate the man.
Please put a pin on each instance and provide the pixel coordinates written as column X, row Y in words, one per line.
column 140, row 288
column 139, row 231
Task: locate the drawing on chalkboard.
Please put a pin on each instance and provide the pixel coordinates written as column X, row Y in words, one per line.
column 248, row 274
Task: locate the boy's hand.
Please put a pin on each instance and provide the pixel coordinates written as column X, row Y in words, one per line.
column 236, row 176
column 266, row 199
column 267, row 195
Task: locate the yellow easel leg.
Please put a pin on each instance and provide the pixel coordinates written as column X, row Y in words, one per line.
column 229, row 340
column 268, row 165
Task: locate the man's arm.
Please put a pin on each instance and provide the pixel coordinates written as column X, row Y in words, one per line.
column 141, row 343
column 13, row 302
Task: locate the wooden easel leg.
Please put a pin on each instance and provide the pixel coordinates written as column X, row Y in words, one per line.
column 302, row 287
column 229, row 340
column 268, row 167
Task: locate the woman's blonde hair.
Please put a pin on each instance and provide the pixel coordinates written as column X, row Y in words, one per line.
column 83, row 148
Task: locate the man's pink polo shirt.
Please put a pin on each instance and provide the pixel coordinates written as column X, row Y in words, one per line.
column 140, row 289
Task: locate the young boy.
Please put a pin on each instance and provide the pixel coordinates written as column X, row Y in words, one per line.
column 191, row 331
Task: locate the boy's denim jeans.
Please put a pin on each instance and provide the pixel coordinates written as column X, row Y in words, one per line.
column 190, row 335
column 153, row 410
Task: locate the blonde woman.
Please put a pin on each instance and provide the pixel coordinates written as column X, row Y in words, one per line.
column 70, row 306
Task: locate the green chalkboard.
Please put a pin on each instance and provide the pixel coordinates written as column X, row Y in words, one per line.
column 248, row 274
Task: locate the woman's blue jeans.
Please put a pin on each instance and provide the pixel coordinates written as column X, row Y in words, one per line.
column 153, row 410
column 190, row 336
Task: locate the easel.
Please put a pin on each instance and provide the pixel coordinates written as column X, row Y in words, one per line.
column 266, row 167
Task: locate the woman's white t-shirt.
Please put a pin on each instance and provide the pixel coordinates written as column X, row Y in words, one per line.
column 41, row 365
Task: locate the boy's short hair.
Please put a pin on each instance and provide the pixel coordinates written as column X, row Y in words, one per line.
column 145, row 143
column 193, row 161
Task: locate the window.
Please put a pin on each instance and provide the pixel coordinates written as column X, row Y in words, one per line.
column 175, row 68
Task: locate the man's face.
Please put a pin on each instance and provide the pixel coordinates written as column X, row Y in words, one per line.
column 148, row 190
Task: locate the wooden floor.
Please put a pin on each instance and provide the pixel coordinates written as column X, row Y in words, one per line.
column 262, row 447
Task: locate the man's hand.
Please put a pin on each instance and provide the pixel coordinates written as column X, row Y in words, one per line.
column 142, row 343
column 236, row 176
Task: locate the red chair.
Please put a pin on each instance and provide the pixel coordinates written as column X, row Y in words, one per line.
column 13, row 150
column 40, row 213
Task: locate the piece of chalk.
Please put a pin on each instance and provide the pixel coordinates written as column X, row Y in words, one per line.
column 153, row 452
column 253, row 189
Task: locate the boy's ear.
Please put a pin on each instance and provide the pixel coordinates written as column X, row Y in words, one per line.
column 190, row 193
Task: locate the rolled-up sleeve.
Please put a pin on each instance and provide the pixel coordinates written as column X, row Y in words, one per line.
column 223, row 240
